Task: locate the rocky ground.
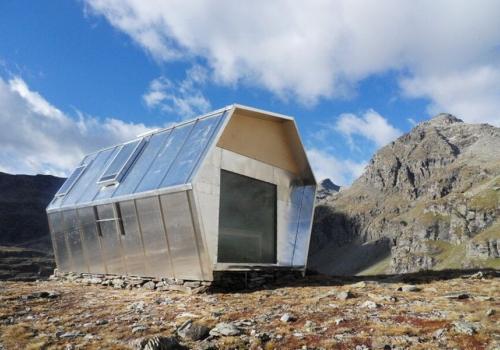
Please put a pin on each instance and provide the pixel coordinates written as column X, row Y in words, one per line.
column 417, row 311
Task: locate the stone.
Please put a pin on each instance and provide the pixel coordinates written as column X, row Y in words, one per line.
column 344, row 295
column 149, row 285
column 118, row 283
column 101, row 322
column 70, row 335
column 361, row 284
column 370, row 305
column 490, row 312
column 225, row 329
column 139, row 328
column 286, row 317
column 465, row 327
column 439, row 333
column 409, row 288
column 137, row 306
column 157, row 343
column 457, row 295
column 339, row 321
column 192, row 284
column 193, row 331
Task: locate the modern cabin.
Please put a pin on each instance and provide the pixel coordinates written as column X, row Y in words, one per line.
column 231, row 190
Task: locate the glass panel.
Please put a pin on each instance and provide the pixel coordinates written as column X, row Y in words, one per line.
column 88, row 178
column 141, row 166
column 70, row 181
column 110, row 239
column 153, row 235
column 131, row 240
column 181, row 237
column 72, row 229
column 90, row 240
column 247, row 220
column 122, row 159
column 191, row 151
column 93, row 187
column 165, row 158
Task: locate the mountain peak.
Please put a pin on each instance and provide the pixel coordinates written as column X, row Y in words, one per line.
column 442, row 119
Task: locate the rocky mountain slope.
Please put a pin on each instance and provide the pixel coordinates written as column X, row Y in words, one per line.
column 25, row 246
column 23, row 199
column 429, row 200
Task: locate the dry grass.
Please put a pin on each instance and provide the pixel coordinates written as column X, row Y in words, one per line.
column 408, row 320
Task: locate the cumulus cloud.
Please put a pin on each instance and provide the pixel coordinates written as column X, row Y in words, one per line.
column 322, row 49
column 341, row 171
column 370, row 125
column 472, row 95
column 180, row 97
column 37, row 137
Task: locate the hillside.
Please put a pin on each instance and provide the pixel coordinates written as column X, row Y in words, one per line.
column 429, row 200
column 25, row 246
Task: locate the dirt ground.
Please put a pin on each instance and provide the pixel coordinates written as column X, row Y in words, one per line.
column 312, row 313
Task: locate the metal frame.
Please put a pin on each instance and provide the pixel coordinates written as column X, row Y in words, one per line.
column 84, row 166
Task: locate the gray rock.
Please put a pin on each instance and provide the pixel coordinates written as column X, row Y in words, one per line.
column 490, row 312
column 138, row 306
column 139, row 328
column 457, row 295
column 101, row 322
column 70, row 335
column 409, row 288
column 118, row 283
column 192, row 284
column 370, row 305
column 225, row 329
column 157, row 343
column 149, row 285
column 465, row 327
column 193, row 331
column 344, row 295
column 286, row 317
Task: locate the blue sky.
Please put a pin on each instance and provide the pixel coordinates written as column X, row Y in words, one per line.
column 80, row 75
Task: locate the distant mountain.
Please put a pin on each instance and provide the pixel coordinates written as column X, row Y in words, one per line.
column 23, row 199
column 429, row 200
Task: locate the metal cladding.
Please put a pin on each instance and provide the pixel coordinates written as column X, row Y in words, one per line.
column 230, row 190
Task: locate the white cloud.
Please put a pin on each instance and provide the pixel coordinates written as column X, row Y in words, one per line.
column 320, row 48
column 341, row 171
column 370, row 125
column 37, row 137
column 183, row 97
column 472, row 95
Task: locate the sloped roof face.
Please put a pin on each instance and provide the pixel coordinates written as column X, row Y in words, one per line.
column 167, row 158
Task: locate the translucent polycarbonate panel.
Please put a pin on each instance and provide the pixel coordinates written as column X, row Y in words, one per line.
column 106, row 191
column 131, row 240
column 165, row 158
column 63, row 255
column 88, row 178
column 121, row 161
column 129, row 183
column 181, row 235
column 110, row 239
column 304, row 227
column 191, row 152
column 247, row 220
column 154, row 238
column 93, row 187
column 90, row 240
column 56, row 229
column 70, row 181
column 72, row 229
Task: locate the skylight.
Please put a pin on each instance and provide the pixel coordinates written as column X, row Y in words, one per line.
column 122, row 161
column 70, row 181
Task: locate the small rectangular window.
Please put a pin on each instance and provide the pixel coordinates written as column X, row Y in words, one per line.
column 122, row 161
column 70, row 181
